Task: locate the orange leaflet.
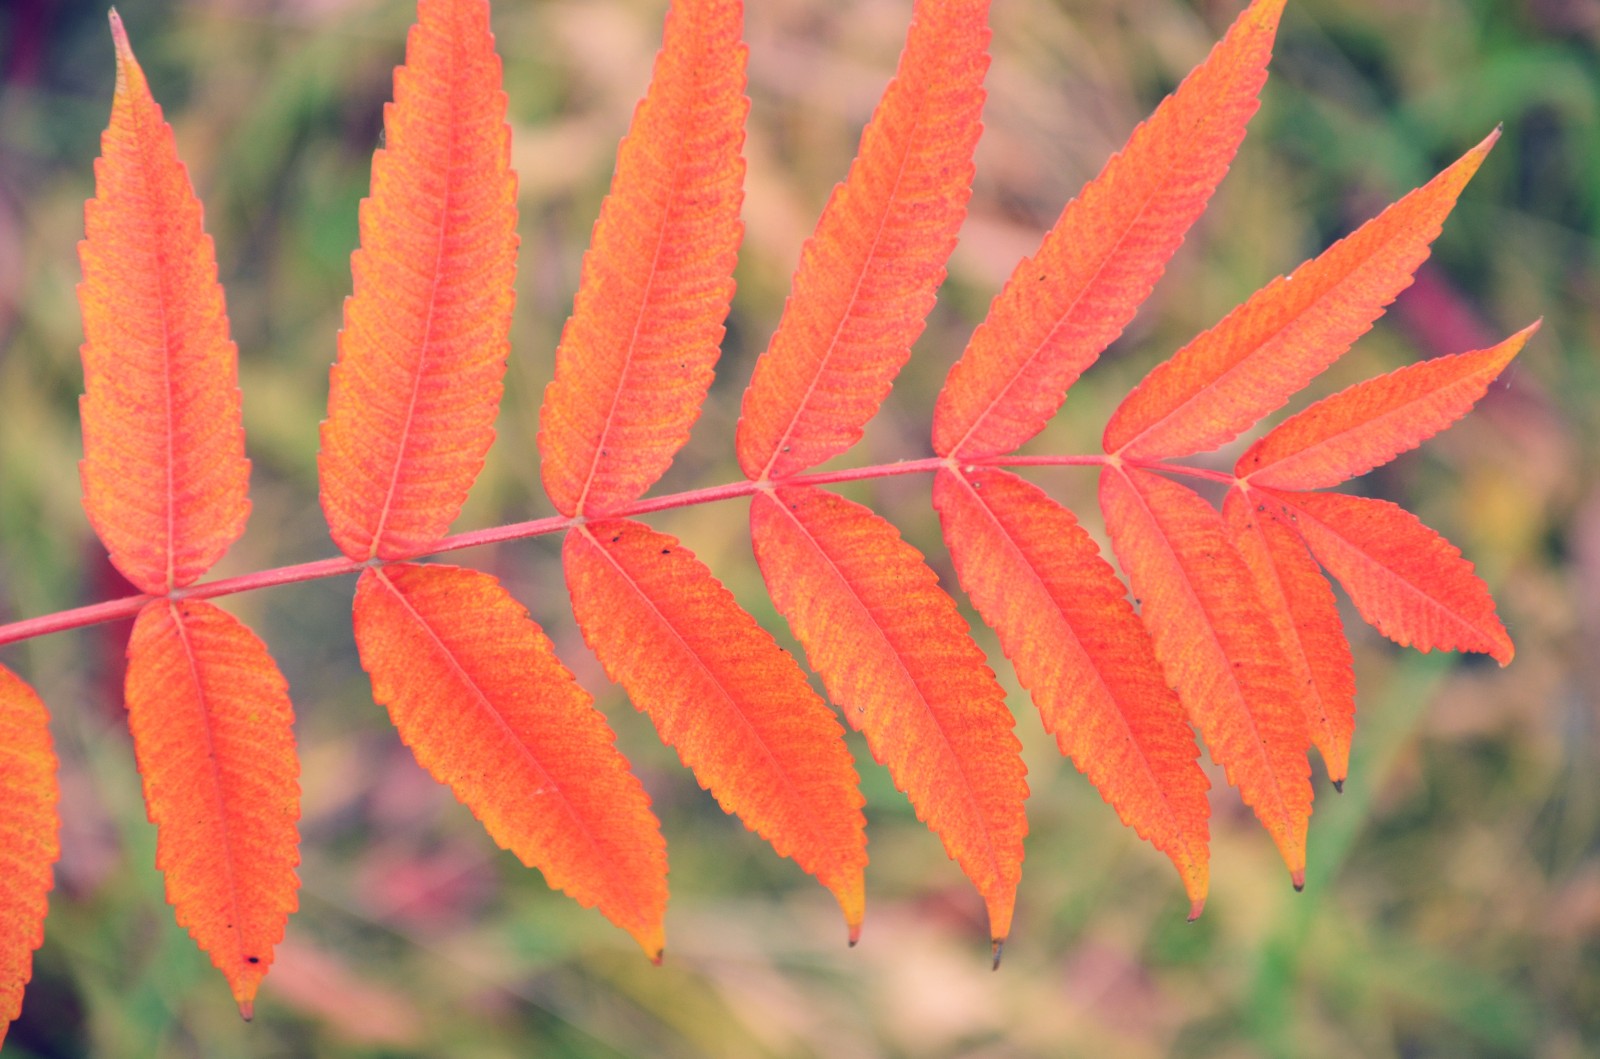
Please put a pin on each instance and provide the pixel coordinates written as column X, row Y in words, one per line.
column 213, row 735
column 1408, row 582
column 867, row 276
column 1300, row 604
column 29, row 836
column 897, row 659
column 1064, row 621
column 164, row 473
column 635, row 358
column 1064, row 305
column 1217, row 646
column 412, row 399
column 1267, row 349
column 1374, row 421
column 477, row 692
column 732, row 702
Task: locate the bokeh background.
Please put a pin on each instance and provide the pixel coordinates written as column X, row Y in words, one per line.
column 1453, row 898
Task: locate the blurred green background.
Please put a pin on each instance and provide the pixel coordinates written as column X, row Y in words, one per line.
column 1453, row 898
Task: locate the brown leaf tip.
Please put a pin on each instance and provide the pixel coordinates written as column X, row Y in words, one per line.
column 119, row 37
column 247, row 1009
column 855, row 934
column 657, row 956
column 1338, row 785
column 1298, row 877
column 999, row 951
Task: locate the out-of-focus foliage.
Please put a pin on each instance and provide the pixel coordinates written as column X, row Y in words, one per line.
column 1452, row 904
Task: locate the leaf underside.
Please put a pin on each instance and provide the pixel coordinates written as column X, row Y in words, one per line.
column 29, row 836
column 475, row 689
column 720, row 690
column 636, row 357
column 896, row 658
column 164, row 473
column 213, row 735
column 413, row 396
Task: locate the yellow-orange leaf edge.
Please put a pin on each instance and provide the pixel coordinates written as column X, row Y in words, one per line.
column 214, row 739
column 476, row 691
column 636, row 356
column 164, row 472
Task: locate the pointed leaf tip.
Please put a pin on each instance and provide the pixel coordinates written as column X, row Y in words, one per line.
column 119, row 37
column 1195, row 909
column 247, row 1010
column 998, row 950
column 1338, row 786
column 1298, row 878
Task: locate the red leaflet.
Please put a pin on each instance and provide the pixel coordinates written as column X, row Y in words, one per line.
column 164, row 473
column 29, row 836
column 732, row 702
column 1372, row 422
column 412, row 399
column 898, row 661
column 635, row 359
column 1299, row 602
column 1064, row 621
column 477, row 692
column 867, row 276
column 1267, row 349
column 213, row 734
column 1216, row 645
column 1410, row 583
column 1064, row 305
